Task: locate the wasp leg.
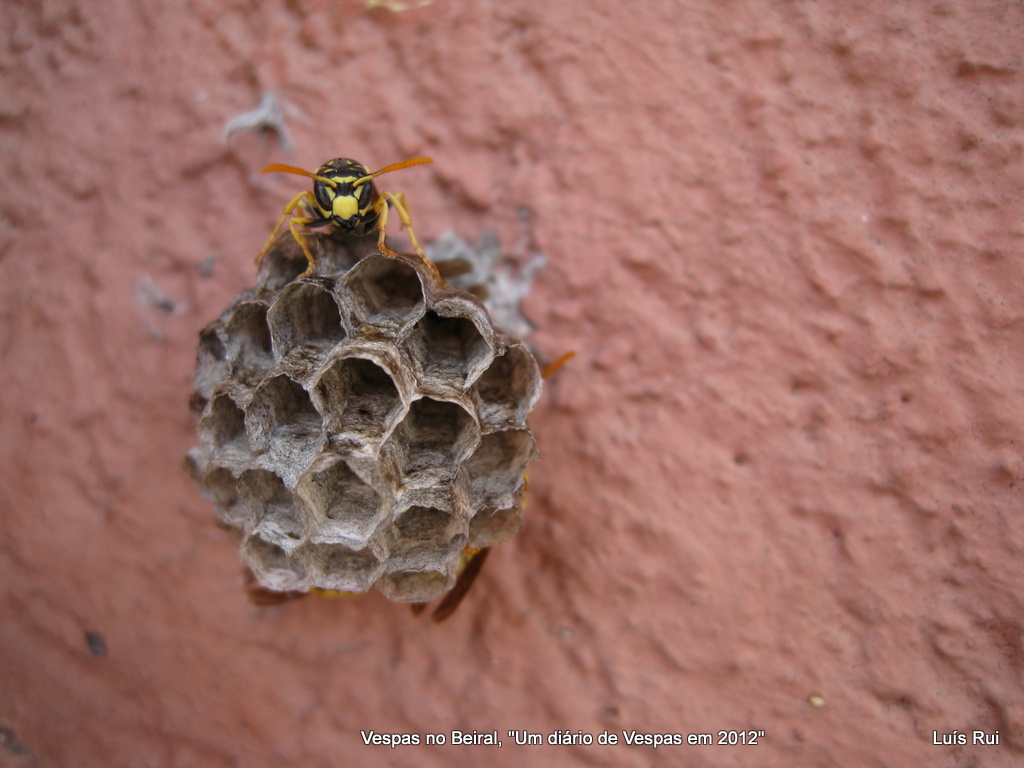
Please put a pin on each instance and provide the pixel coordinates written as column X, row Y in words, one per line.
column 296, row 221
column 554, row 366
column 300, row 238
column 397, row 199
column 381, row 207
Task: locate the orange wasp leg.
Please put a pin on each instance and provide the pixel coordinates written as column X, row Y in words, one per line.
column 550, row 368
column 397, row 199
column 296, row 221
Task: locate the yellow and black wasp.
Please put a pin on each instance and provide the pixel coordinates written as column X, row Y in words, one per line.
column 343, row 196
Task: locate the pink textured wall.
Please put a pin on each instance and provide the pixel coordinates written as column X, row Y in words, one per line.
column 786, row 244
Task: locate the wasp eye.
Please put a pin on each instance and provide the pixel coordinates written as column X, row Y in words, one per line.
column 324, row 195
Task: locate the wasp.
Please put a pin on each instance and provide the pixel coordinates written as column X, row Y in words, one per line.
column 343, row 196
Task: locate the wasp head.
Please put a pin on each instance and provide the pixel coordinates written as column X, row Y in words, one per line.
column 343, row 193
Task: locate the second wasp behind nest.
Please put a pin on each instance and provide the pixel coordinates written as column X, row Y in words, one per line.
column 345, row 197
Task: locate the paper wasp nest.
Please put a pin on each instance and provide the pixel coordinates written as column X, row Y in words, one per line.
column 360, row 427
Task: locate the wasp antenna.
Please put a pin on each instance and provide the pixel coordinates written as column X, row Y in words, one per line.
column 395, row 167
column 282, row 168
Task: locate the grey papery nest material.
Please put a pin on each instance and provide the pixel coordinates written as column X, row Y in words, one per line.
column 359, row 428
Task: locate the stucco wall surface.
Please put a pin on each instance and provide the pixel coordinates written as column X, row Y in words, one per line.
column 781, row 482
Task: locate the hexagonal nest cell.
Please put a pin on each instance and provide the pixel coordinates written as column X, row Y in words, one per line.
column 359, row 427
